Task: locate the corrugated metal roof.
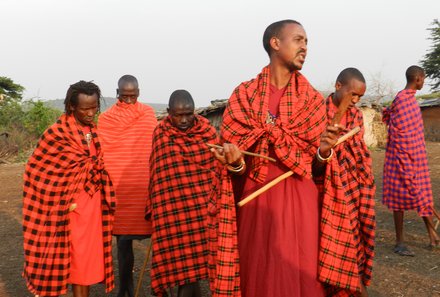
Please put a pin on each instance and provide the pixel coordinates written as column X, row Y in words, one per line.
column 429, row 102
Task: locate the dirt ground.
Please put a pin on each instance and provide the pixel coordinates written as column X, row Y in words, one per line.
column 394, row 275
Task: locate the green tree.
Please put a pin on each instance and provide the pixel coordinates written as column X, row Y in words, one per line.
column 11, row 111
column 38, row 117
column 431, row 61
column 10, row 89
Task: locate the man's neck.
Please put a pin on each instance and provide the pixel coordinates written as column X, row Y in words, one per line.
column 410, row 87
column 279, row 75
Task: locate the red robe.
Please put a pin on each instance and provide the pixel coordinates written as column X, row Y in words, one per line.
column 56, row 173
column 125, row 131
column 182, row 175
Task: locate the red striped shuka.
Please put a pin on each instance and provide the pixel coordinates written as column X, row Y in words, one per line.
column 126, row 132
column 406, row 180
column 348, row 217
column 182, row 174
column 59, row 169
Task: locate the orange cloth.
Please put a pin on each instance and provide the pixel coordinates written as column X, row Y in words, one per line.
column 125, row 131
column 86, row 248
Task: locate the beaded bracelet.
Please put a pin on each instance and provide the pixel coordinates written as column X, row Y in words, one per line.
column 324, row 160
column 237, row 169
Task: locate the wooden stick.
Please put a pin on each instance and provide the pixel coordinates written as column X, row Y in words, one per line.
column 245, row 153
column 265, row 188
column 342, row 108
column 289, row 173
column 432, row 227
column 147, row 257
column 349, row 134
column 435, row 212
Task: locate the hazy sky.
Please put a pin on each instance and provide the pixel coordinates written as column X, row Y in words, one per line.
column 206, row 47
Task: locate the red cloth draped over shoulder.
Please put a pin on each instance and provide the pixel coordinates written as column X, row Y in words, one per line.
column 224, row 268
column 125, row 131
column 56, row 173
column 348, row 216
column 182, row 173
column 296, row 132
column 406, row 179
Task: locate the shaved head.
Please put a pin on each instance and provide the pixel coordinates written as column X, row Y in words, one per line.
column 274, row 30
column 180, row 97
column 412, row 72
column 128, row 80
column 348, row 74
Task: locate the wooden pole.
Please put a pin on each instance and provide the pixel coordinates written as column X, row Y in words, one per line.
column 349, row 134
column 141, row 275
column 245, row 153
column 265, row 188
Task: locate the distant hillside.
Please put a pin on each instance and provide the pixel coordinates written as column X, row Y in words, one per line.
column 106, row 102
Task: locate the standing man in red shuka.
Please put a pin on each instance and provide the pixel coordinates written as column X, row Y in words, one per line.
column 406, row 180
column 347, row 217
column 278, row 114
column 68, row 203
column 182, row 175
column 126, row 130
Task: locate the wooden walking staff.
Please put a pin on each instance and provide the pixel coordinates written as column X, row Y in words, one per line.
column 343, row 105
column 141, row 275
column 244, row 152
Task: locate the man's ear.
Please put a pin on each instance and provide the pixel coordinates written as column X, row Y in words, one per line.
column 117, row 92
column 168, row 110
column 274, row 43
column 338, row 86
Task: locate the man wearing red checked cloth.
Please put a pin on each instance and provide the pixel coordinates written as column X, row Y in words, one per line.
column 68, row 203
column 278, row 114
column 182, row 174
column 348, row 216
column 406, row 181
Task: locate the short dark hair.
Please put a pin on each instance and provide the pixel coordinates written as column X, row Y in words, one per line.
column 127, row 80
column 348, row 74
column 180, row 96
column 81, row 87
column 274, row 30
column 412, row 72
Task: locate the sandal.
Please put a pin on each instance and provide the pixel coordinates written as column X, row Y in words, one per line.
column 435, row 246
column 403, row 250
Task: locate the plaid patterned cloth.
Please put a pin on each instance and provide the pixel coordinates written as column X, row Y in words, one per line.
column 348, row 217
column 224, row 272
column 295, row 133
column 406, row 181
column 182, row 171
column 55, row 174
column 128, row 128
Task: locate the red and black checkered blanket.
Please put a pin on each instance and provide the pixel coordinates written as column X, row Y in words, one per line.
column 224, row 268
column 58, row 170
column 295, row 133
column 182, row 173
column 348, row 217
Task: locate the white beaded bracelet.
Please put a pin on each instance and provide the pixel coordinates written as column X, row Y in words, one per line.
column 324, row 160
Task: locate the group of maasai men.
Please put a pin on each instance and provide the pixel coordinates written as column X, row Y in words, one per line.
column 308, row 231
